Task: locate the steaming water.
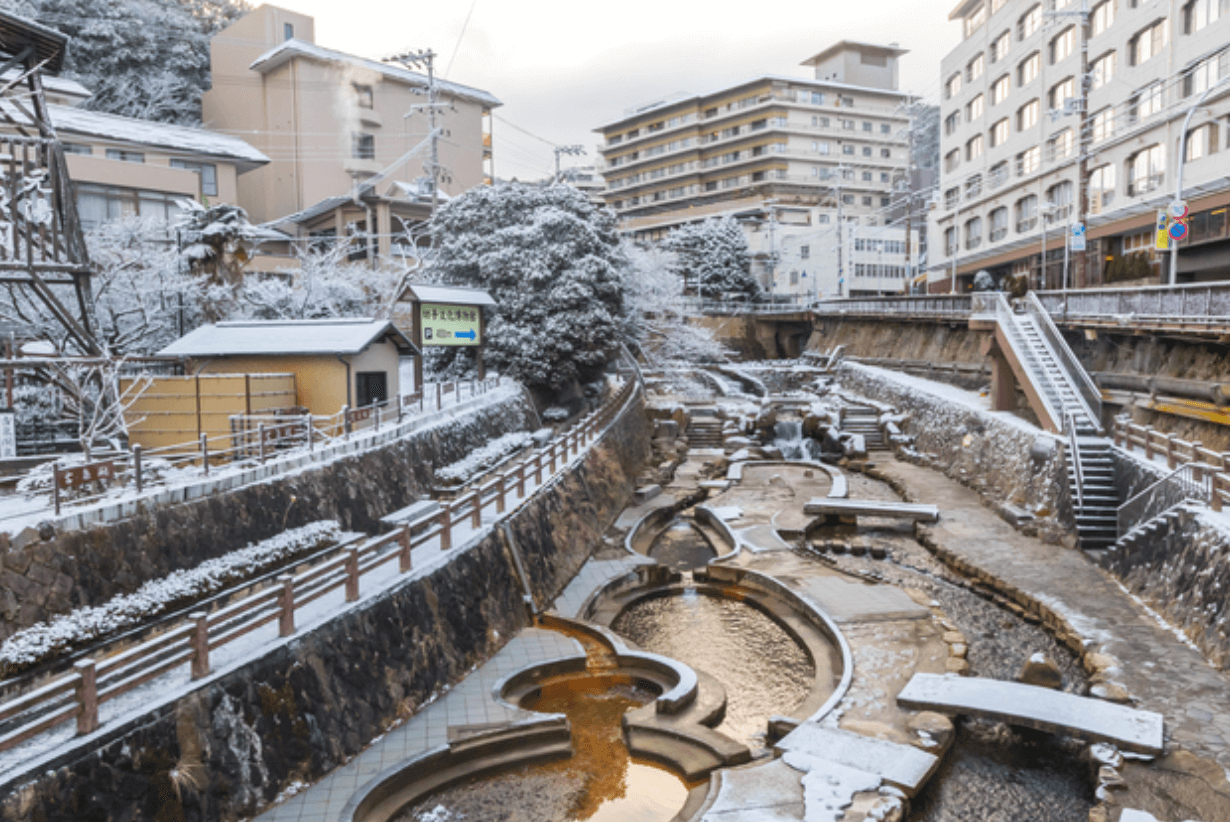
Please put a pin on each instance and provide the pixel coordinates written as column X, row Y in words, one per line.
column 788, row 437
column 764, row 670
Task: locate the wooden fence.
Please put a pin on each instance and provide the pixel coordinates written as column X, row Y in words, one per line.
column 1178, row 452
column 93, row 682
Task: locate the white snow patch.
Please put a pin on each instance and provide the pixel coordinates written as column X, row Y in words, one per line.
column 726, row 513
column 829, row 788
column 483, row 458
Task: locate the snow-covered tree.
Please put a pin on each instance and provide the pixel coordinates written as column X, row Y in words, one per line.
column 554, row 265
column 658, row 322
column 92, row 395
column 325, row 284
column 712, row 258
column 141, row 58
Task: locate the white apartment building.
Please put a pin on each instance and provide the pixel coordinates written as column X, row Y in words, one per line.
column 790, row 158
column 1012, row 134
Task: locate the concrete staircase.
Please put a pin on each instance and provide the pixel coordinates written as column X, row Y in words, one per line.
column 862, row 420
column 704, row 432
column 1097, row 505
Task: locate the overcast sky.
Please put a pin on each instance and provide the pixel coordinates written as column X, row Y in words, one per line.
column 564, row 68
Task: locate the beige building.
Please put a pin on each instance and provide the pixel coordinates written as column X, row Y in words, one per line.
column 331, row 122
column 1012, row 135
column 791, row 158
column 121, row 166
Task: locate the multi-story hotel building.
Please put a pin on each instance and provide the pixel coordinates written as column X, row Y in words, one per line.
column 1017, row 141
column 790, row 158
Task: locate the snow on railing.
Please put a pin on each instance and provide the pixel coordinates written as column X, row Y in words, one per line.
column 1188, row 483
column 1129, row 435
column 337, row 579
column 254, row 439
column 944, row 306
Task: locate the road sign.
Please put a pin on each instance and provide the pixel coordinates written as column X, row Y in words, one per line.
column 1078, row 237
column 1178, row 230
column 1162, row 241
column 444, row 324
column 1177, row 210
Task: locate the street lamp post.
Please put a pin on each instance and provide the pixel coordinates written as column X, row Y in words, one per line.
column 1178, row 188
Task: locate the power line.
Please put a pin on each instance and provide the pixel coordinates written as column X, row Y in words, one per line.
column 460, row 37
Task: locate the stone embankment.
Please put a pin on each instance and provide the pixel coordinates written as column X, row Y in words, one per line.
column 230, row 747
column 49, row 573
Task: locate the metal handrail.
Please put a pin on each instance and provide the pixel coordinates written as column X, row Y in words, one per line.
column 1085, row 388
column 1016, row 340
column 947, row 306
column 1190, row 482
column 1069, row 422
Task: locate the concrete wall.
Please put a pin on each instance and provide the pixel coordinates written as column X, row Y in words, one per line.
column 318, row 700
column 43, row 577
column 939, row 343
column 1012, row 464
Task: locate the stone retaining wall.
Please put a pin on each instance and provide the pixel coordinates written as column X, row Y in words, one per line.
column 71, row 569
column 1015, row 467
column 226, row 750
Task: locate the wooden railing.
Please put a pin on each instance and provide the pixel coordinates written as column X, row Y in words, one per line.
column 94, row 682
column 1177, row 452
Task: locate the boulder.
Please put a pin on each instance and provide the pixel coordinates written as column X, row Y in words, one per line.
column 1042, row 671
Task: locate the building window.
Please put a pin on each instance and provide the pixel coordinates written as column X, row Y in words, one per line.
column 952, row 159
column 76, row 148
column 125, row 156
column 975, row 20
column 886, row 153
column 998, row 175
column 883, row 176
column 1103, row 70
column 1027, row 115
column 999, row 132
column 208, row 173
column 975, row 68
column 804, row 252
column 973, row 148
column 866, row 151
column 1028, row 69
column 363, row 146
column 867, row 127
column 847, row 149
column 951, row 197
column 1026, row 213
column 1029, row 22
column 1103, row 124
column 372, row 387
column 1101, row 188
column 1060, row 92
column 1147, row 101
column 99, row 204
column 999, row 49
column 288, row 31
column 1102, row 16
column 1062, row 44
column 973, row 187
column 1149, row 43
column 1028, row 161
column 953, row 86
column 1060, row 145
column 1000, row 89
column 847, row 199
column 867, row 200
column 950, row 241
column 1201, row 141
column 1206, row 73
column 1146, row 170
column 951, row 122
column 1199, row 13
column 847, row 125
column 973, row 233
column 867, row 177
column 1059, row 202
column 999, row 224
column 973, row 110
column 363, row 94
column 885, row 128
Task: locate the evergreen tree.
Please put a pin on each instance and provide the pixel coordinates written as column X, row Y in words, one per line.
column 554, row 265
column 141, row 58
column 713, row 259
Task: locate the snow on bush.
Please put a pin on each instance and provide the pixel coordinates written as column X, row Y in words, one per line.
column 480, row 460
column 555, row 414
column 46, row 639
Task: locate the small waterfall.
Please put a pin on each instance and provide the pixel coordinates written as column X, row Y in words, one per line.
column 788, row 438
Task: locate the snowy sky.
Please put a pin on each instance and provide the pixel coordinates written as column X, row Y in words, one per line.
column 564, row 68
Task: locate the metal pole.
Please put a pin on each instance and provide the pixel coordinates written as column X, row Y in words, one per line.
column 1178, row 188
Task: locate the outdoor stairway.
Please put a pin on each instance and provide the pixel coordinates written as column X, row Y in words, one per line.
column 858, row 419
column 704, row 432
column 1096, row 506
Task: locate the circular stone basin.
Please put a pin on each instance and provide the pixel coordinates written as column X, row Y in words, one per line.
column 765, row 670
column 681, row 546
column 599, row 782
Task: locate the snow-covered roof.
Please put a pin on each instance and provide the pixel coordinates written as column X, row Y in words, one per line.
column 18, row 32
column 54, row 85
column 286, row 337
column 292, row 48
column 448, row 294
column 149, row 133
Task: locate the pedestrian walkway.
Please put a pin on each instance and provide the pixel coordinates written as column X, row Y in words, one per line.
column 470, row 702
column 593, row 575
column 1161, row 672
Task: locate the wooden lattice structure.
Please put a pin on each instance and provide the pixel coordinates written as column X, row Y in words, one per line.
column 42, row 249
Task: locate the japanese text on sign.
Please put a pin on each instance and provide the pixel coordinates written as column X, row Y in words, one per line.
column 450, row 324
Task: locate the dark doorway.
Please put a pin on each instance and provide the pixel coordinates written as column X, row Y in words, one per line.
column 373, row 387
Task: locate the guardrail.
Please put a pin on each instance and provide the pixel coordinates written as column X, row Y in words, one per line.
column 1188, row 483
column 93, row 682
column 1129, row 436
column 735, row 308
column 253, row 439
column 939, row 307
column 1196, row 306
column 1015, row 338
